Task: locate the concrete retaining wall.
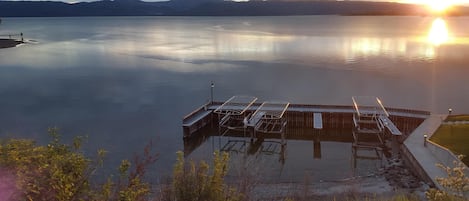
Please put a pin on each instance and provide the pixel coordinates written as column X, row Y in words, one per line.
column 416, row 168
column 445, row 156
column 423, row 157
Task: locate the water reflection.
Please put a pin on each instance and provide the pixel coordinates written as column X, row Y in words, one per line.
column 331, row 146
column 247, row 43
column 222, row 43
column 131, row 77
column 363, row 47
column 324, row 151
column 438, row 33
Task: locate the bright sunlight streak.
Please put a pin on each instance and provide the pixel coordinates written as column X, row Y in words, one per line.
column 438, row 33
column 439, row 5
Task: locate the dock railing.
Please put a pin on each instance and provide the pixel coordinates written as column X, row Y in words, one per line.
column 203, row 107
column 12, row 36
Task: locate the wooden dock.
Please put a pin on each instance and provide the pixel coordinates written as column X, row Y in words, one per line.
column 316, row 123
column 307, row 116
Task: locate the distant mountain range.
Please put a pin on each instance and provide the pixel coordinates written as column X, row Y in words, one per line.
column 211, row 8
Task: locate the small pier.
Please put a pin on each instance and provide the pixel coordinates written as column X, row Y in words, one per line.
column 248, row 128
column 11, row 40
column 252, row 128
column 307, row 116
column 13, row 36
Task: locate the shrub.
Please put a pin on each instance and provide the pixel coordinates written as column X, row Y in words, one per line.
column 193, row 182
column 61, row 172
column 456, row 184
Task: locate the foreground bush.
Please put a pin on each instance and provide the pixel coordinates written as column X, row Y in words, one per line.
column 456, row 184
column 193, row 182
column 61, row 172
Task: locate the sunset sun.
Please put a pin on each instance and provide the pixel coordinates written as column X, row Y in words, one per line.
column 438, row 5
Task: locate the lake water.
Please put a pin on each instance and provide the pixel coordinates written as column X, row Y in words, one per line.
column 126, row 80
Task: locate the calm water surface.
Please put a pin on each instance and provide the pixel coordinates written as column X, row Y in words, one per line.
column 126, row 80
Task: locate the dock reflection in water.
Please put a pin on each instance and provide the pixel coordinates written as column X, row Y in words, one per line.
column 323, row 154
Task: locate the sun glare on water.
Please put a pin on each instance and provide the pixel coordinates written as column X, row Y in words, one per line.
column 438, row 33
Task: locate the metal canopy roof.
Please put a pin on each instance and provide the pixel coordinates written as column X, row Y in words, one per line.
column 271, row 110
column 236, row 105
column 368, row 105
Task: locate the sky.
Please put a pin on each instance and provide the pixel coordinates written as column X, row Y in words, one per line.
column 436, row 4
column 449, row 2
column 432, row 3
column 455, row 2
column 429, row 2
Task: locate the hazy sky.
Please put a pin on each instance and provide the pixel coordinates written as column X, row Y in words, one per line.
column 456, row 2
column 427, row 2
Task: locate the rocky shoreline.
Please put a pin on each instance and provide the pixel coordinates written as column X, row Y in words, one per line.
column 394, row 178
column 400, row 177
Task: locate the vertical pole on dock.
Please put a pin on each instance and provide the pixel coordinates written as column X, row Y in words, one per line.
column 212, row 85
column 425, row 140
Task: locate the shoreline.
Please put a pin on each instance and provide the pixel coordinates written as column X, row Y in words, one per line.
column 361, row 188
column 394, row 178
column 8, row 43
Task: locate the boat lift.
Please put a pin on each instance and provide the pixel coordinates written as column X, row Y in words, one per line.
column 231, row 114
column 369, row 118
column 268, row 118
column 371, row 121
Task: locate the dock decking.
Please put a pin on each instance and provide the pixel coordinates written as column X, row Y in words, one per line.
column 299, row 115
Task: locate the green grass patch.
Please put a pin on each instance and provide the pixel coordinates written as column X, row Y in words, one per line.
column 458, row 118
column 454, row 137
